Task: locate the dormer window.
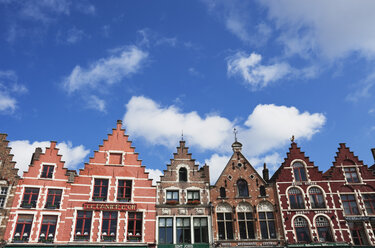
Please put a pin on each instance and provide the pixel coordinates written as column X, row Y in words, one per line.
column 182, row 175
column 299, row 171
column 351, row 175
column 242, row 189
column 115, row 158
column 47, row 171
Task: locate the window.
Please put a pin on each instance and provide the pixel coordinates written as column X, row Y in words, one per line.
column 242, row 189
column 23, row 228
column 324, row 229
column 223, row 193
column 115, row 158
column 369, row 203
column 316, row 198
column 30, row 198
column 109, row 226
column 225, row 225
column 350, row 204
column 296, row 199
column 172, row 197
column 200, row 230
column 193, row 197
column 47, row 171
column 262, row 190
column 48, row 229
column 299, row 171
column 182, row 175
column 357, row 231
column 302, row 230
column 183, row 231
column 83, row 226
column 165, row 230
column 3, row 196
column 266, row 220
column 124, row 191
column 100, row 190
column 53, row 198
column 246, row 225
column 351, row 175
column 135, row 227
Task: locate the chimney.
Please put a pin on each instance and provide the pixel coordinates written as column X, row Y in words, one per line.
column 266, row 174
column 36, row 155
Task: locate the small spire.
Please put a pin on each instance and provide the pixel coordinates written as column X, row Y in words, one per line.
column 292, row 139
column 235, row 134
column 182, row 134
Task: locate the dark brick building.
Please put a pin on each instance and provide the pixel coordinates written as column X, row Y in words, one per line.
column 8, row 182
column 244, row 206
column 183, row 196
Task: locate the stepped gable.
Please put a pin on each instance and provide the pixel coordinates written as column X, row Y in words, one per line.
column 294, row 153
column 182, row 156
column 50, row 156
column 8, row 171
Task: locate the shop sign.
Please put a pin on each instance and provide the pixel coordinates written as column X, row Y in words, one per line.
column 357, row 218
column 110, row 206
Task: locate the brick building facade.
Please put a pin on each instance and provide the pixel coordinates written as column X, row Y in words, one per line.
column 111, row 201
column 244, row 206
column 8, row 182
column 183, row 210
column 352, row 186
column 309, row 212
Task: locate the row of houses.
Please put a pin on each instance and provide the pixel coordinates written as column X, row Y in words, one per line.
column 111, row 202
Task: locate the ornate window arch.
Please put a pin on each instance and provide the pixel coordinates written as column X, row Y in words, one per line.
column 246, row 221
column 266, row 218
column 302, row 230
column 316, row 197
column 299, row 171
column 296, row 200
column 224, row 221
column 242, row 188
column 182, row 174
column 324, row 229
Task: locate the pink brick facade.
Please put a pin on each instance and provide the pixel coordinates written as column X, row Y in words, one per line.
column 114, row 183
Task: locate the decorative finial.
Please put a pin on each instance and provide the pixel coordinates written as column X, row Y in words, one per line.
column 235, row 134
column 292, row 139
column 182, row 134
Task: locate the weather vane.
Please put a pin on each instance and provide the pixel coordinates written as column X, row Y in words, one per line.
column 235, row 134
column 292, row 139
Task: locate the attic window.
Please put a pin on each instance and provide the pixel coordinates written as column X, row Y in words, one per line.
column 115, row 158
column 239, row 165
column 47, row 171
column 230, row 177
column 182, row 175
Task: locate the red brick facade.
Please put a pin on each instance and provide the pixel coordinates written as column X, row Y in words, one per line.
column 244, row 206
column 110, row 201
column 8, row 182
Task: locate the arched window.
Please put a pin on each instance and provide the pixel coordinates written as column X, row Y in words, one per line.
column 224, row 221
column 296, row 199
column 302, row 230
column 266, row 220
column 316, row 198
column 324, row 229
column 182, row 174
column 223, row 193
column 246, row 221
column 242, row 188
column 299, row 171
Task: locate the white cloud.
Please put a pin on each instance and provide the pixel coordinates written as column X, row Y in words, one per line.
column 74, row 35
column 254, row 73
column 94, row 102
column 8, row 87
column 363, row 90
column 270, row 126
column 329, row 28
column 217, row 164
column 159, row 125
column 23, row 150
column 154, row 174
column 267, row 127
column 108, row 71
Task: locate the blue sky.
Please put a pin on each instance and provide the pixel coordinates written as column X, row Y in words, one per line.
column 272, row 69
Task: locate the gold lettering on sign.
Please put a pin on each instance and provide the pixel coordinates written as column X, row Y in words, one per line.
column 110, row 206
